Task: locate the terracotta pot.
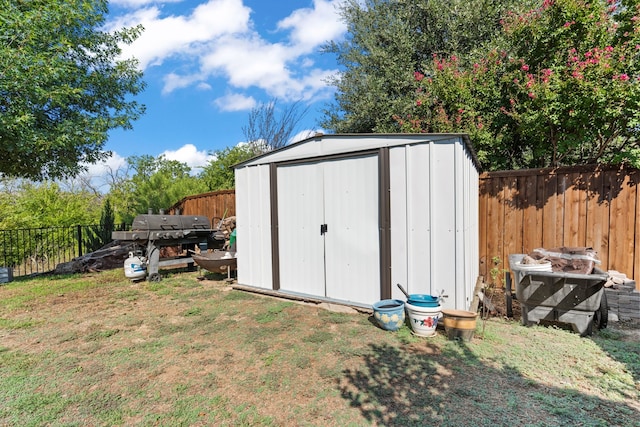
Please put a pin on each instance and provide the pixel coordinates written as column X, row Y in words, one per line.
column 459, row 324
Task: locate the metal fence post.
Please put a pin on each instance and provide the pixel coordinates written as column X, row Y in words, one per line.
column 79, row 240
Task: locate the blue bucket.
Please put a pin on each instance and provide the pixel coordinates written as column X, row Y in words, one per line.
column 423, row 300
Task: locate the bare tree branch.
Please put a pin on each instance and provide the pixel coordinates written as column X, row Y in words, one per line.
column 271, row 128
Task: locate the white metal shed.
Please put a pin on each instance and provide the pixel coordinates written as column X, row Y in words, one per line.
column 344, row 218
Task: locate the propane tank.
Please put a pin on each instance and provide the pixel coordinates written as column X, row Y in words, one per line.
column 135, row 266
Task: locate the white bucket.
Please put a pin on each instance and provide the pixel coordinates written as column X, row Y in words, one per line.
column 520, row 270
column 545, row 266
column 423, row 320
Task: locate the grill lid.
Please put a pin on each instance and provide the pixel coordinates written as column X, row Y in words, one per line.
column 165, row 227
column 170, row 222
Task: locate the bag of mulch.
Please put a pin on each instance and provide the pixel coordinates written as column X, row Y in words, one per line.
column 578, row 260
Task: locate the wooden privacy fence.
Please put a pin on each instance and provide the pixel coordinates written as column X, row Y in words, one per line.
column 215, row 205
column 572, row 206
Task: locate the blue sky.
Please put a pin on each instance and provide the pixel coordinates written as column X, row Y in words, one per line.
column 207, row 63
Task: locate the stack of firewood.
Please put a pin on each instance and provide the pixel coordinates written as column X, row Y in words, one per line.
column 108, row 257
column 226, row 226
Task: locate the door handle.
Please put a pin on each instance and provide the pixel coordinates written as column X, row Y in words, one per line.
column 323, row 229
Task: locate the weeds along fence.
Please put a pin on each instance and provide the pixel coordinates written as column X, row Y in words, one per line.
column 591, row 206
column 38, row 250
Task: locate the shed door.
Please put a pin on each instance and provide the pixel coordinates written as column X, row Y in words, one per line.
column 300, row 213
column 352, row 242
column 342, row 263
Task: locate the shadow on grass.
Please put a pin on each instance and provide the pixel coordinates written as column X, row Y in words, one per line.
column 448, row 385
column 621, row 349
column 208, row 275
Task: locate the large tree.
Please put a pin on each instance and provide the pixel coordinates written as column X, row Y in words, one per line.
column 62, row 86
column 389, row 40
column 563, row 89
column 219, row 174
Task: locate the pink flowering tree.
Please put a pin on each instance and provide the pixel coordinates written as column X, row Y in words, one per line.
column 564, row 90
column 452, row 98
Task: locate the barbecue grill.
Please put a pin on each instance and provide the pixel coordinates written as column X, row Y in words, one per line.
column 155, row 231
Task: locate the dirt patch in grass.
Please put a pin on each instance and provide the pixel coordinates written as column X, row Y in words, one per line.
column 101, row 350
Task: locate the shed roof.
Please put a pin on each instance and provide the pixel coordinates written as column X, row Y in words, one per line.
column 321, row 145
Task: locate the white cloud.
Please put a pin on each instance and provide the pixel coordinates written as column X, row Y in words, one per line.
column 217, row 39
column 311, row 27
column 190, row 155
column 302, row 135
column 174, row 81
column 204, row 86
column 271, row 67
column 249, row 62
column 100, row 176
column 315, row 84
column 111, row 164
column 165, row 37
column 235, row 102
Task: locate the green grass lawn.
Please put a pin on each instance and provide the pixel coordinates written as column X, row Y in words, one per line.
column 100, row 350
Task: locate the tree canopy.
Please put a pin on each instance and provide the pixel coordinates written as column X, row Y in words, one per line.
column 218, row 174
column 30, row 205
column 62, row 86
column 157, row 183
column 548, row 83
column 389, row 40
column 564, row 89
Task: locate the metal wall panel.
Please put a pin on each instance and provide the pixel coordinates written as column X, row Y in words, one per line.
column 472, row 231
column 434, row 221
column 300, row 214
column 253, row 225
column 352, row 242
column 443, row 221
column 460, row 296
column 243, row 224
column 399, row 215
column 419, row 219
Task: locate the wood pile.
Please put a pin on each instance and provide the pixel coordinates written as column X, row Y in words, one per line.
column 171, row 251
column 106, row 258
column 226, row 227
